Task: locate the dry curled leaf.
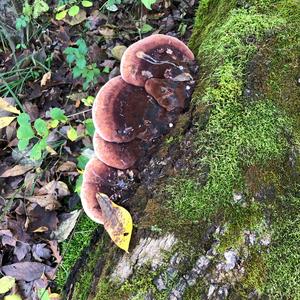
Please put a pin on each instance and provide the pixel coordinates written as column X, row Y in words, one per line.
column 46, row 77
column 117, row 221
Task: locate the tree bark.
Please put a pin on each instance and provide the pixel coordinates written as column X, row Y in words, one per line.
column 206, row 210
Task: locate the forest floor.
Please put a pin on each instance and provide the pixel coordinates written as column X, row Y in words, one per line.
column 216, row 211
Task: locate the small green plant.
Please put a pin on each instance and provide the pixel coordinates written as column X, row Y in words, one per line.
column 30, row 12
column 112, row 5
column 38, row 133
column 148, row 3
column 82, row 160
column 72, row 11
column 22, row 22
column 25, row 133
column 76, row 56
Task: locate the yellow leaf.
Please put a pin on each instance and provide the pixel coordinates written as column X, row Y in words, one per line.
column 5, row 121
column 51, row 150
column 117, row 221
column 41, row 229
column 54, row 296
column 12, row 297
column 7, row 107
column 6, row 283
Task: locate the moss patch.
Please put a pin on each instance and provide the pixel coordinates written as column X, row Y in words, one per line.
column 72, row 248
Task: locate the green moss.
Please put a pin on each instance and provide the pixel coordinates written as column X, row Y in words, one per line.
column 135, row 288
column 241, row 219
column 248, row 138
column 194, row 292
column 71, row 249
column 282, row 262
column 83, row 283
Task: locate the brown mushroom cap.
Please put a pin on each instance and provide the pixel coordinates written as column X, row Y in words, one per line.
column 117, row 155
column 123, row 112
column 158, row 56
column 97, row 178
column 168, row 93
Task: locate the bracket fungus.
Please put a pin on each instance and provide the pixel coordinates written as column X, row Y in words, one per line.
column 130, row 113
column 97, row 178
column 156, row 56
column 123, row 112
column 117, row 155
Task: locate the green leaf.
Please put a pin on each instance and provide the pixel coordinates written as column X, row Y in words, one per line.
column 85, row 85
column 89, row 126
column 41, row 127
column 70, row 58
column 81, row 62
column 27, row 9
column 58, row 114
column 82, row 48
column 21, row 23
column 76, row 72
column 88, row 101
column 23, row 119
column 72, row 134
column 6, row 283
column 148, row 3
column 43, row 294
column 106, row 70
column 53, row 123
column 78, row 184
column 39, row 7
column 87, row 3
column 146, row 28
column 36, row 150
column 73, row 10
column 25, row 132
column 61, row 15
column 82, row 160
column 22, row 144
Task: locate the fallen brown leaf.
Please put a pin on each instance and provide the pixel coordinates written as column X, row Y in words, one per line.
column 48, row 201
column 67, row 223
column 16, row 171
column 27, row 271
column 57, row 188
column 68, row 166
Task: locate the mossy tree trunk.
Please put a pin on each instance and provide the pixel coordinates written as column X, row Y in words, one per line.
column 217, row 211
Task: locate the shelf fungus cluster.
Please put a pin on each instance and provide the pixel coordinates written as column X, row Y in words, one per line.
column 131, row 113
